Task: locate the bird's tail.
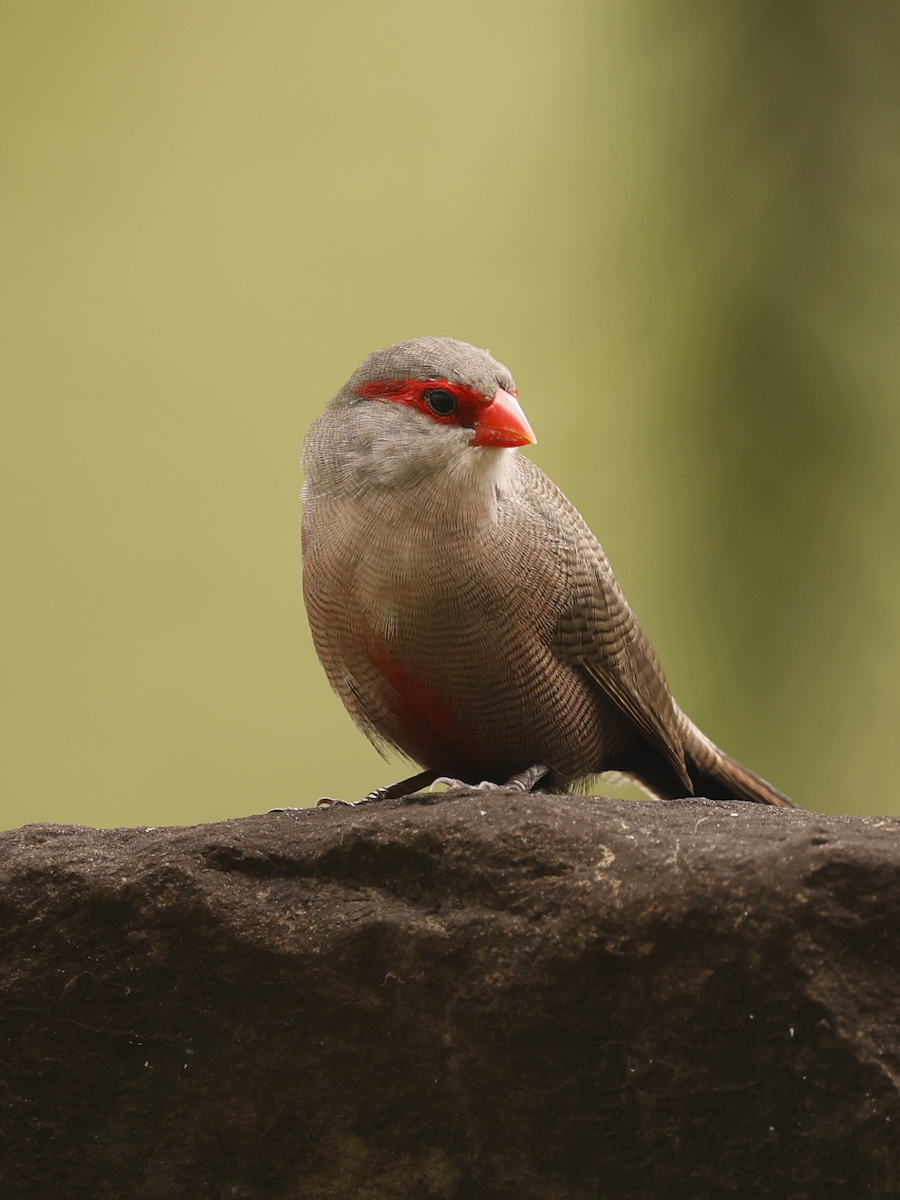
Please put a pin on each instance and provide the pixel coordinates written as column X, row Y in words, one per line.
column 717, row 776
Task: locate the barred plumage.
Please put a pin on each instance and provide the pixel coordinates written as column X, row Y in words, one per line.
column 459, row 603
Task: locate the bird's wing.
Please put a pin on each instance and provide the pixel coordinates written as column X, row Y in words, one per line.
column 599, row 633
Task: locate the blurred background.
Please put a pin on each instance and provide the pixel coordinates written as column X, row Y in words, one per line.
column 677, row 222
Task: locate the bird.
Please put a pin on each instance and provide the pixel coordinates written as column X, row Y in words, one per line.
column 462, row 608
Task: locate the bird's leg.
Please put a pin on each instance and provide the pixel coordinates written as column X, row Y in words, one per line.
column 393, row 791
column 523, row 782
column 526, row 780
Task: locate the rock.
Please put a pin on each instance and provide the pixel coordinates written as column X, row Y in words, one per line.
column 436, row 998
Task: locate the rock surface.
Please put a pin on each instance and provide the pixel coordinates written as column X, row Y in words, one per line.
column 454, row 999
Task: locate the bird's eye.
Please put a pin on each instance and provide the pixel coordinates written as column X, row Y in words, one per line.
column 440, row 401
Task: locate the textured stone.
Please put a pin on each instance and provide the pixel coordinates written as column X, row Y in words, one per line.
column 454, row 999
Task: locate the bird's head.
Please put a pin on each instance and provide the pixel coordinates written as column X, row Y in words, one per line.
column 417, row 407
column 451, row 384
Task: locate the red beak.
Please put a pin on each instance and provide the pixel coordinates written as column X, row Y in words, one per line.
column 503, row 423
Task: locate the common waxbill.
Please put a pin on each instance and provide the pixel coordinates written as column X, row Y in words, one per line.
column 461, row 607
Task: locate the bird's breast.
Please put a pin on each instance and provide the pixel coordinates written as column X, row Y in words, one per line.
column 443, row 641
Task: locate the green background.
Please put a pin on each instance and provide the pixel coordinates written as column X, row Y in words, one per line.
column 677, row 223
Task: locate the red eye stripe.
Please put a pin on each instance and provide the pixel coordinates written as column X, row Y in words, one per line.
column 471, row 403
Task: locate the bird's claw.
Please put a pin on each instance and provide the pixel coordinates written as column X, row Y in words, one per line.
column 523, row 782
column 391, row 791
column 330, row 802
column 459, row 785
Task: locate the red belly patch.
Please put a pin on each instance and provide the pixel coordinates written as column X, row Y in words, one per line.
column 426, row 728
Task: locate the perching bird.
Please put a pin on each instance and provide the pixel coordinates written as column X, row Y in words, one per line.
column 462, row 608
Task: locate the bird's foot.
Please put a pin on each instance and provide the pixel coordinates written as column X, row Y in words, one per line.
column 393, row 791
column 525, row 781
